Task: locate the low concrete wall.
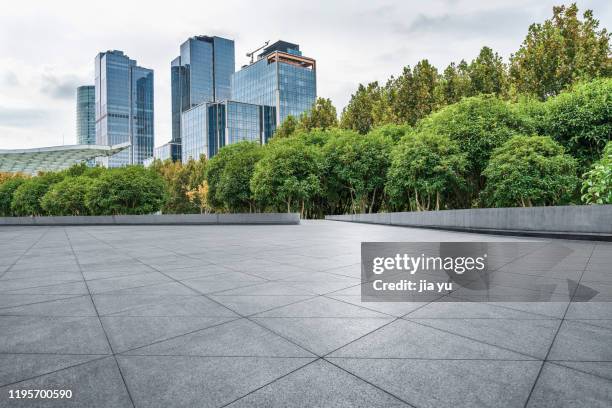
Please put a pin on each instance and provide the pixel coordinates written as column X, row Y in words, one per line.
column 169, row 219
column 582, row 219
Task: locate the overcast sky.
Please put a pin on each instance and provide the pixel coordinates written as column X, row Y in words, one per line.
column 47, row 48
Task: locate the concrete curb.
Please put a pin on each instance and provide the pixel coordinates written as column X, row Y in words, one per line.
column 591, row 222
column 169, row 219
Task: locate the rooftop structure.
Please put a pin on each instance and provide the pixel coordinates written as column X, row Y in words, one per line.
column 31, row 161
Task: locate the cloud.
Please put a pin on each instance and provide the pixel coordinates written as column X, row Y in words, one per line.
column 9, row 79
column 60, row 87
column 492, row 22
column 23, row 117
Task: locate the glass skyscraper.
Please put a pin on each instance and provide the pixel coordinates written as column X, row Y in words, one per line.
column 124, row 107
column 281, row 77
column 209, row 126
column 86, row 115
column 201, row 73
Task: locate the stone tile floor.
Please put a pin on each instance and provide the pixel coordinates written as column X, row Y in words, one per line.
column 270, row 316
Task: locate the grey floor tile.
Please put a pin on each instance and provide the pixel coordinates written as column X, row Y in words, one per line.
column 19, row 367
column 599, row 368
column 125, row 282
column 12, row 300
column 126, row 332
column 94, row 384
column 447, row 383
column 235, row 338
column 321, row 307
column 531, row 337
column 580, row 341
column 589, row 310
column 404, row 339
column 212, row 286
column 63, row 335
column 266, row 289
column 159, row 305
column 63, row 288
column 319, row 384
column 248, row 305
column 560, row 387
column 74, row 306
column 322, row 335
column 396, row 309
column 176, row 381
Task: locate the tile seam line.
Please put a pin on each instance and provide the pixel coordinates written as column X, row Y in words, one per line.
column 533, row 386
column 213, row 300
column 76, row 258
column 25, row 252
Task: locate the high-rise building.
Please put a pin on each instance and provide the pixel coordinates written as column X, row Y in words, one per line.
column 124, row 107
column 201, row 73
column 207, row 127
column 86, row 115
column 281, row 77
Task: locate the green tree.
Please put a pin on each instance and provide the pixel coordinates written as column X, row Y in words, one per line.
column 478, row 124
column 355, row 167
column 487, row 73
column 7, row 189
column 67, row 197
column 234, row 184
column 454, row 83
column 126, row 190
column 560, row 51
column 581, row 120
column 358, row 114
column 529, row 171
column 177, row 179
column 287, row 178
column 393, row 131
column 415, row 93
column 597, row 184
column 322, row 115
column 287, row 127
column 27, row 197
column 427, row 172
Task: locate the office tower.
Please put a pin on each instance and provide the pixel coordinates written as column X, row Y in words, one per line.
column 124, row 107
column 201, row 73
column 86, row 115
column 281, row 77
column 209, row 126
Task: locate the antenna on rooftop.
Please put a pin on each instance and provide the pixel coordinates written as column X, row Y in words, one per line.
column 252, row 53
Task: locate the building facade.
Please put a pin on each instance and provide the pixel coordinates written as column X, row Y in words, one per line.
column 201, row 73
column 281, row 77
column 209, row 126
column 167, row 151
column 86, row 115
column 124, row 107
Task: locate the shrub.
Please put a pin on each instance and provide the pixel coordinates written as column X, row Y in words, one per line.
column 529, row 171
column 67, row 197
column 478, row 125
column 581, row 120
column 354, row 170
column 7, row 189
column 126, row 190
column 427, row 172
column 234, row 189
column 597, row 184
column 27, row 197
column 287, row 176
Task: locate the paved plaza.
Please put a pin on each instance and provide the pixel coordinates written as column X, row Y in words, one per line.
column 271, row 316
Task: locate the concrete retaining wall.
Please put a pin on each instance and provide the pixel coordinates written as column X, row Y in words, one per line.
column 169, row 219
column 581, row 219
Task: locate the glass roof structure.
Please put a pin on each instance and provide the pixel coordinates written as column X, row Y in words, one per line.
column 31, row 161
